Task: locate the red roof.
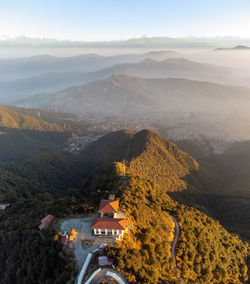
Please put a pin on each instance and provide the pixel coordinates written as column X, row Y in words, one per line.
column 109, row 206
column 109, row 223
column 47, row 219
column 42, row 226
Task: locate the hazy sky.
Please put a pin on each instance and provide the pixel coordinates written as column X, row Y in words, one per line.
column 122, row 19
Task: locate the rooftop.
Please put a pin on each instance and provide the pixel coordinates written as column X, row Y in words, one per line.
column 109, row 206
column 47, row 219
column 109, row 223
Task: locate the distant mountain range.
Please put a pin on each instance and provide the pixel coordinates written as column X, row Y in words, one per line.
column 20, row 68
column 123, row 93
column 177, row 108
column 142, row 42
column 148, row 68
column 238, row 47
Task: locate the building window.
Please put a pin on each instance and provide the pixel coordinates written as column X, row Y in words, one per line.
column 103, row 232
column 107, row 215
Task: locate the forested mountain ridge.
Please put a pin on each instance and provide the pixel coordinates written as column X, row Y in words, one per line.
column 144, row 145
column 51, row 171
column 65, row 121
column 155, row 167
column 34, row 189
column 22, row 136
column 13, row 119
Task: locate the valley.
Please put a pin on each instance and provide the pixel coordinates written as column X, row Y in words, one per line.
column 124, row 142
column 169, row 137
column 93, row 168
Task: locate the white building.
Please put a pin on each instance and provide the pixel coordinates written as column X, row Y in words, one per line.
column 110, row 221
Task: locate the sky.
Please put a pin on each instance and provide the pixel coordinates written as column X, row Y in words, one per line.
column 92, row 20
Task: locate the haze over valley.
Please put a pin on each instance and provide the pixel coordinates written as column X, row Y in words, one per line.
column 124, row 142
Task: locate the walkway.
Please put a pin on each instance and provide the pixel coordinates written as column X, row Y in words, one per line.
column 102, row 275
column 83, row 227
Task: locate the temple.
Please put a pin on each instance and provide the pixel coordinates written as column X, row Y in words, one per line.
column 110, row 220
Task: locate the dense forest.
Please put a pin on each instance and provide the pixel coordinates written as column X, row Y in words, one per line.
column 224, row 182
column 206, row 252
column 25, row 255
column 157, row 171
column 45, row 185
column 50, row 172
column 23, row 136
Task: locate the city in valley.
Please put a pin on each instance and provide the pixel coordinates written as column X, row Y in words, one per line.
column 124, row 142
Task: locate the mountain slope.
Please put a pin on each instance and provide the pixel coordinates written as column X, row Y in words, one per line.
column 155, row 167
column 233, row 165
column 123, row 94
column 226, row 185
column 23, row 136
column 51, row 171
column 206, row 252
column 34, row 189
column 148, row 68
column 13, row 119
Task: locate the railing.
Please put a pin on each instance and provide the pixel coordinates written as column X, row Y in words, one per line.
column 93, row 276
column 84, row 268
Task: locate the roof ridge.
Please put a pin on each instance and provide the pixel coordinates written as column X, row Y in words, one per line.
column 114, row 201
column 104, row 220
column 109, row 205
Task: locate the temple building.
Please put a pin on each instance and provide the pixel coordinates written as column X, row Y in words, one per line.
column 110, row 220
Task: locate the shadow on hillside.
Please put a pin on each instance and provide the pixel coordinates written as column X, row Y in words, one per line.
column 233, row 212
column 42, row 134
column 21, row 144
column 195, row 194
